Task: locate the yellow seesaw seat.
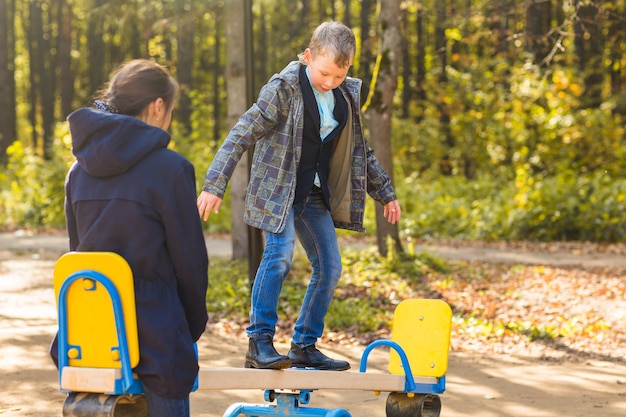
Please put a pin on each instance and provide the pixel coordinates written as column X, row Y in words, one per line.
column 98, row 341
column 91, row 324
column 422, row 328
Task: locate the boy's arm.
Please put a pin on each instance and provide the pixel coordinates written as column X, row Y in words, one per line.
column 380, row 188
column 378, row 181
column 252, row 126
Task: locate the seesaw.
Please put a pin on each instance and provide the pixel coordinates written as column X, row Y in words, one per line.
column 98, row 348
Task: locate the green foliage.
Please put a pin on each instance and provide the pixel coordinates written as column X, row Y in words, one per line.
column 32, row 189
column 564, row 207
column 571, row 207
column 352, row 313
column 502, row 117
column 571, row 327
column 454, row 206
column 526, row 161
column 229, row 290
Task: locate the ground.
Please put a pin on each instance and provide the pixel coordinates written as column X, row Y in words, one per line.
column 485, row 385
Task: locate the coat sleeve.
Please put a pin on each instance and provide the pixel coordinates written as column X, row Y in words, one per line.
column 255, row 124
column 379, row 185
column 187, row 248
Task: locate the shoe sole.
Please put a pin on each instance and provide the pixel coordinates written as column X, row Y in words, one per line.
column 274, row 365
column 322, row 368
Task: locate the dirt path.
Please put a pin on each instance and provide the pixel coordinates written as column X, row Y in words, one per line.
column 477, row 385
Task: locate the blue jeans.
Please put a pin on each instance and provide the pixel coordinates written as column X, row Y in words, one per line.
column 165, row 407
column 311, row 222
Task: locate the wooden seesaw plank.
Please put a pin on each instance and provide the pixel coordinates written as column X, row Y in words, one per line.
column 221, row 379
column 296, row 379
column 96, row 380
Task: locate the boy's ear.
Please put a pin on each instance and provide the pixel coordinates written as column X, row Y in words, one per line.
column 306, row 57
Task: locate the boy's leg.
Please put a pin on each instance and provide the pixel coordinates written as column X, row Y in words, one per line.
column 316, row 231
column 274, row 267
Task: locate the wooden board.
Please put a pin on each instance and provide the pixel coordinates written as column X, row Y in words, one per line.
column 96, row 380
column 221, row 379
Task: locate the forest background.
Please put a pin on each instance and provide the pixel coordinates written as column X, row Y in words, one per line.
column 507, row 120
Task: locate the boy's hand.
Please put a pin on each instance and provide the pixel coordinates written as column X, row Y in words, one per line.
column 392, row 211
column 207, row 202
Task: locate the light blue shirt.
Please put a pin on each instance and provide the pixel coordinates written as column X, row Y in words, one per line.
column 326, row 106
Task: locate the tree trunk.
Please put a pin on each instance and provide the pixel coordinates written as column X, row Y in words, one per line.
column 590, row 48
column 347, row 16
column 8, row 125
column 95, row 46
column 47, row 85
column 380, row 105
column 237, row 105
column 366, row 58
column 420, row 65
column 33, row 27
column 500, row 24
column 538, row 24
column 184, row 64
column 261, row 59
column 64, row 57
column 407, row 85
column 217, row 70
column 446, row 164
column 616, row 40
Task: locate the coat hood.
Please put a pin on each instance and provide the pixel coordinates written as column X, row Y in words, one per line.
column 107, row 144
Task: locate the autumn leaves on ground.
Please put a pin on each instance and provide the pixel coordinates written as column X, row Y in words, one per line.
column 550, row 312
column 553, row 312
column 558, row 313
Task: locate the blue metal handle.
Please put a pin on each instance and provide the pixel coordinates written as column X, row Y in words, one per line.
column 409, row 385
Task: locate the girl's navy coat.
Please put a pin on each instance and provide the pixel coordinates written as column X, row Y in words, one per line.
column 127, row 193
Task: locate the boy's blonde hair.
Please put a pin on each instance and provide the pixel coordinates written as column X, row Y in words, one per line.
column 335, row 39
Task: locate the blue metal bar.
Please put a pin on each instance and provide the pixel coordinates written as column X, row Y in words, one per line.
column 287, row 404
column 410, row 381
column 120, row 327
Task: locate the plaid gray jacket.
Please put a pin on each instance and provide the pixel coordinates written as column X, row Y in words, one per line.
column 274, row 126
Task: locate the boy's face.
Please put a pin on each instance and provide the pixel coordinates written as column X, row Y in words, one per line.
column 325, row 74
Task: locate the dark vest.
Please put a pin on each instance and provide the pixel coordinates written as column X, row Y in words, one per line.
column 315, row 152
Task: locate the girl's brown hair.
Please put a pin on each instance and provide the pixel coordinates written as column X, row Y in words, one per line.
column 137, row 83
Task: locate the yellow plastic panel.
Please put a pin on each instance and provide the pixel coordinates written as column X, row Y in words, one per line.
column 91, row 324
column 422, row 328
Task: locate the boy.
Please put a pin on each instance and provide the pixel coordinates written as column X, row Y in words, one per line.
column 310, row 173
